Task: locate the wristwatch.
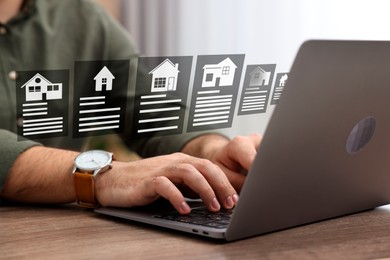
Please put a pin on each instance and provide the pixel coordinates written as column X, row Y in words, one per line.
column 87, row 166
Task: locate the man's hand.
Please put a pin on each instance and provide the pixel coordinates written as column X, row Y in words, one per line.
column 234, row 157
column 142, row 182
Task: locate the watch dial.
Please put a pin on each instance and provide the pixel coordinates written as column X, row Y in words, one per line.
column 93, row 160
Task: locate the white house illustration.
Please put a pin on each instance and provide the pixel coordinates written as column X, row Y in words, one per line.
column 103, row 80
column 39, row 88
column 282, row 81
column 164, row 76
column 259, row 77
column 221, row 74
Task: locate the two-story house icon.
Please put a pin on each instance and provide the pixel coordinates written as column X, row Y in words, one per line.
column 39, row 88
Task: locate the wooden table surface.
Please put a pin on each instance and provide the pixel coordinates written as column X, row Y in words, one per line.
column 69, row 232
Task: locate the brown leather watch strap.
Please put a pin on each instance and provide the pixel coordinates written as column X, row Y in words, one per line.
column 85, row 189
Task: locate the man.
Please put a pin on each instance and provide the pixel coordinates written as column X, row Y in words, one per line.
column 52, row 34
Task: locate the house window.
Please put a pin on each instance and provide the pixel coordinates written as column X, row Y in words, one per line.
column 160, row 82
column 225, row 70
column 56, row 87
column 104, row 80
column 209, row 77
column 49, row 87
column 257, row 75
column 34, row 89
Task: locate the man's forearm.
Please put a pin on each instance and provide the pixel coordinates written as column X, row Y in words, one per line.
column 41, row 175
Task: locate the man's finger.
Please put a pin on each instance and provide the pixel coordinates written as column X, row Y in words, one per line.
column 221, row 185
column 189, row 175
column 165, row 188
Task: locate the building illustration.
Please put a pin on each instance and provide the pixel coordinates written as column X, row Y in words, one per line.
column 256, row 89
column 215, row 91
column 164, row 76
column 221, row 74
column 40, row 88
column 42, row 104
column 282, row 81
column 99, row 97
column 104, row 80
column 259, row 77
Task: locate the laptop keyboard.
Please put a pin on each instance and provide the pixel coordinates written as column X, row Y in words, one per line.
column 201, row 216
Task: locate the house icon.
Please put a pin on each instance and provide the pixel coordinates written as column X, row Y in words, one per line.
column 221, row 74
column 282, row 81
column 164, row 76
column 259, row 77
column 103, row 80
column 39, row 88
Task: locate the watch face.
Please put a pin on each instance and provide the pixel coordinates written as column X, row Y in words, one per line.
column 93, row 160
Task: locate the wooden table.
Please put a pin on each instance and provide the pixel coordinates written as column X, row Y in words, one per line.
column 69, row 232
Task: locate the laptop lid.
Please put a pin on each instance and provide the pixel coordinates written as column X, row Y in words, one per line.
column 325, row 151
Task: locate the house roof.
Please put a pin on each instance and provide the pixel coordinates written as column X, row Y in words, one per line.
column 163, row 63
column 222, row 63
column 104, row 73
column 37, row 76
column 258, row 68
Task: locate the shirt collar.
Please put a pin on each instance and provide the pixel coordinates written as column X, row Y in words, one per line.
column 28, row 7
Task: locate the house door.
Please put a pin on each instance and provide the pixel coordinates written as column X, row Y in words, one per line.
column 217, row 82
column 104, row 84
column 171, row 84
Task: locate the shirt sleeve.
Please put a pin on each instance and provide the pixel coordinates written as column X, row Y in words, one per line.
column 10, row 149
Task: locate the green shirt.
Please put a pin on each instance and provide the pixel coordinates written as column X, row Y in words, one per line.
column 50, row 35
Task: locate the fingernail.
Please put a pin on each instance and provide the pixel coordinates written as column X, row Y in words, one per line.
column 215, row 204
column 229, row 202
column 185, row 208
column 235, row 198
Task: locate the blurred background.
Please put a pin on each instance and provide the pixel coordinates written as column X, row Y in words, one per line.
column 267, row 32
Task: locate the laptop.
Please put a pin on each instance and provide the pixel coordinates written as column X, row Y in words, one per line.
column 325, row 152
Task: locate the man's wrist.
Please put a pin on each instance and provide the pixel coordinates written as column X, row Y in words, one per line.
column 87, row 167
